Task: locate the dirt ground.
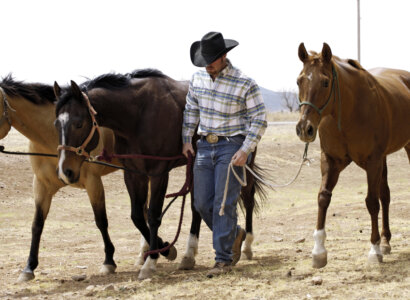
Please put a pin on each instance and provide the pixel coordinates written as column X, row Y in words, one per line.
column 71, row 244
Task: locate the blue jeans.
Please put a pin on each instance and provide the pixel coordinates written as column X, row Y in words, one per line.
column 210, row 173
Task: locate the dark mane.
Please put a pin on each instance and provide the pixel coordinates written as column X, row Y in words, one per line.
column 36, row 93
column 107, row 81
column 141, row 73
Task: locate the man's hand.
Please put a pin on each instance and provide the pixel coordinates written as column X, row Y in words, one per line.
column 239, row 158
column 187, row 147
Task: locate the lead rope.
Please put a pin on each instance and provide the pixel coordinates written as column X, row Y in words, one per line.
column 271, row 185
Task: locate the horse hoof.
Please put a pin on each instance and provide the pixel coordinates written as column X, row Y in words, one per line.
column 385, row 246
column 319, row 260
column 248, row 254
column 375, row 258
column 107, row 269
column 145, row 273
column 25, row 276
column 385, row 249
column 187, row 263
column 172, row 255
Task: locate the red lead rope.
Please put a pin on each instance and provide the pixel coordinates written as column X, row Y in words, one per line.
column 187, row 187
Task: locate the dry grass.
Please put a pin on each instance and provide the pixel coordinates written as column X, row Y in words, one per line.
column 71, row 243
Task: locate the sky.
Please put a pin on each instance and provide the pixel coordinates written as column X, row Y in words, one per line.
column 63, row 40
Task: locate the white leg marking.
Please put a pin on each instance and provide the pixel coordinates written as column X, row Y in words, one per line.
column 319, row 253
column 320, row 237
column 375, row 254
column 148, row 269
column 143, row 248
column 247, row 248
column 63, row 118
column 192, row 246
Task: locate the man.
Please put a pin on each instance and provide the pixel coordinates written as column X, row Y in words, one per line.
column 230, row 114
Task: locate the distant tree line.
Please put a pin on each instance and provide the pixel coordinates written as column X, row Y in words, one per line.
column 290, row 100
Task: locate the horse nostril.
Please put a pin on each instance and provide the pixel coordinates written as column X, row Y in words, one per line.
column 298, row 131
column 310, row 131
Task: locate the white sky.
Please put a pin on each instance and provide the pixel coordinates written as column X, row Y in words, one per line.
column 47, row 40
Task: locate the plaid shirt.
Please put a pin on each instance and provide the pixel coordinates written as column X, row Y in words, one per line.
column 228, row 106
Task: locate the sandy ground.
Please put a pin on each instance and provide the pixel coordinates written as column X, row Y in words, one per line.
column 281, row 269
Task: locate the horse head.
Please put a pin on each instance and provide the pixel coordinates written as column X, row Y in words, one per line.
column 76, row 126
column 316, row 82
column 5, row 121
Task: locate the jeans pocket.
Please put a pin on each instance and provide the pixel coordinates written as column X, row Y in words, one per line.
column 237, row 139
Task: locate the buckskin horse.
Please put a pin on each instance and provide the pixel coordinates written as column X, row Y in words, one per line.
column 362, row 116
column 30, row 108
column 144, row 109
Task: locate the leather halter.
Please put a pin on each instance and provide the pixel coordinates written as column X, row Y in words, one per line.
column 81, row 149
column 6, row 107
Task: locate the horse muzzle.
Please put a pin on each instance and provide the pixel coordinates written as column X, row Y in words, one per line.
column 306, row 131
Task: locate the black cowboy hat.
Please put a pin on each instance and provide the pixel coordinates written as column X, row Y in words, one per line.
column 211, row 47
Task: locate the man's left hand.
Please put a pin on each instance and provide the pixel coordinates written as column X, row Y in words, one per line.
column 239, row 158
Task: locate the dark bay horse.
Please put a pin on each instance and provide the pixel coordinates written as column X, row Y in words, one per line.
column 144, row 109
column 362, row 116
column 30, row 108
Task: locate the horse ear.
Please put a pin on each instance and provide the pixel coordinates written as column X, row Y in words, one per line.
column 76, row 89
column 303, row 55
column 57, row 90
column 326, row 53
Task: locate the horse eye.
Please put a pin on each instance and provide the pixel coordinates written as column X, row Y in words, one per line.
column 79, row 125
column 298, row 81
column 325, row 83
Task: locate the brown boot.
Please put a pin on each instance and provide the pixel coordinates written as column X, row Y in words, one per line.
column 237, row 246
column 218, row 269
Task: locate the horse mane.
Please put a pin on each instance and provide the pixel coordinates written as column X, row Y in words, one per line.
column 142, row 73
column 107, row 81
column 36, row 93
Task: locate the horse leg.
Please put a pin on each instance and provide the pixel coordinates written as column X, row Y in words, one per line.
column 158, row 190
column 144, row 246
column 374, row 170
column 95, row 191
column 385, row 200
column 188, row 260
column 248, row 196
column 330, row 169
column 42, row 196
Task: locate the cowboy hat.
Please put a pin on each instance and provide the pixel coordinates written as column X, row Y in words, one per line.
column 210, row 48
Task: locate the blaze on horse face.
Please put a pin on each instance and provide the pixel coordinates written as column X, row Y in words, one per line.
column 73, row 124
column 315, row 84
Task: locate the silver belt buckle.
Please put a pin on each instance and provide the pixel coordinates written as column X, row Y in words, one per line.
column 212, row 138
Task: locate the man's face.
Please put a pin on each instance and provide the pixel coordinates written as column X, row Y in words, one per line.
column 215, row 67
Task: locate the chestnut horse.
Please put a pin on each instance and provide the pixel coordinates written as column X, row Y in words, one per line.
column 30, row 108
column 144, row 109
column 362, row 116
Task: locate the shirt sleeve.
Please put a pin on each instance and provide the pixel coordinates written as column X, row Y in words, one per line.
column 191, row 115
column 256, row 113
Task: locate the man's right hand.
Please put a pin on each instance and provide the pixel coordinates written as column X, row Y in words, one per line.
column 187, row 147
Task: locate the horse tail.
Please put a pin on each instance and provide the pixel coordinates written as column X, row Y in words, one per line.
column 254, row 186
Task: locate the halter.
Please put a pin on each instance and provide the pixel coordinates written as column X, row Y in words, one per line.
column 6, row 107
column 335, row 81
column 81, row 149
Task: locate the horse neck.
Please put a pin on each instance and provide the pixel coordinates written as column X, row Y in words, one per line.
column 34, row 121
column 345, row 100
column 109, row 113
